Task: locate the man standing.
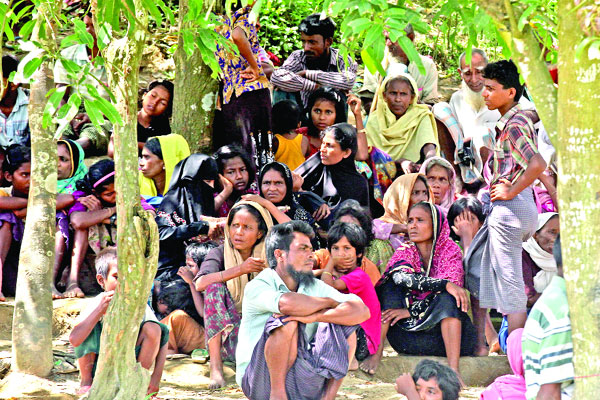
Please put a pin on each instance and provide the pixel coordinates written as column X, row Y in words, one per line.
column 317, row 64
column 14, row 118
column 297, row 333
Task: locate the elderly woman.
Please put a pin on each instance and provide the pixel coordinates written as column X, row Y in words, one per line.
column 423, row 302
column 399, row 126
column 331, row 173
column 223, row 276
column 440, row 176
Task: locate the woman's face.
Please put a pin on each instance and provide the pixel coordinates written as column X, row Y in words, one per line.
column 108, row 195
column 150, row 165
column 438, row 179
column 64, row 162
column 398, row 97
column 235, row 171
column 420, row 225
column 419, row 193
column 323, row 114
column 273, row 186
column 548, row 234
column 156, row 101
column 331, row 152
column 243, row 231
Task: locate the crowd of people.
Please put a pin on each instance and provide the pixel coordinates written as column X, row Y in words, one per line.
column 332, row 218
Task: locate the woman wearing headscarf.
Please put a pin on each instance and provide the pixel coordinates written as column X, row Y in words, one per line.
column 390, row 229
column 421, row 293
column 510, row 387
column 185, row 212
column 399, row 126
column 159, row 157
column 441, row 178
column 223, row 276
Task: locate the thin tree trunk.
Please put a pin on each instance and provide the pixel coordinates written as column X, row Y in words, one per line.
column 579, row 188
column 195, row 94
column 32, row 321
column 118, row 375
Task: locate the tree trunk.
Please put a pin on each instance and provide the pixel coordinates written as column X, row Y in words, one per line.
column 579, row 188
column 32, row 321
column 195, row 93
column 118, row 375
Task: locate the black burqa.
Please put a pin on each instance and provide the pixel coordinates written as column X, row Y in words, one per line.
column 179, row 216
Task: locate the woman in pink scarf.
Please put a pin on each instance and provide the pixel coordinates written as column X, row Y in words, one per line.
column 441, row 179
column 510, row 387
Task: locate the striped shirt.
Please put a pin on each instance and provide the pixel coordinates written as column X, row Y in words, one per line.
column 336, row 76
column 547, row 343
column 14, row 128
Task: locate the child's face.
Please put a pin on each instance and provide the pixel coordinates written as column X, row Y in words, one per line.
column 64, row 162
column 20, row 179
column 345, row 255
column 496, row 96
column 108, row 195
column 191, row 264
column 429, row 390
column 112, row 278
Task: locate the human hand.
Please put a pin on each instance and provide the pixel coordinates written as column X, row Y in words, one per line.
column 216, row 228
column 301, row 73
column 307, row 319
column 251, row 73
column 354, row 104
column 408, row 167
column 297, row 181
column 466, row 224
column 322, row 212
column 257, row 199
column 405, row 385
column 186, row 274
column 394, row 315
column 342, row 264
column 502, row 191
column 252, row 264
column 460, row 294
column 105, row 299
column 91, row 202
column 22, row 213
column 78, row 121
column 226, row 184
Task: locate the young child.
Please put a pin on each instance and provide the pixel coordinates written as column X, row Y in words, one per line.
column 430, row 381
column 13, row 210
column 289, row 146
column 151, row 346
column 347, row 242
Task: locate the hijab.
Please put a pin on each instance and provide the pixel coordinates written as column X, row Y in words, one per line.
column 397, row 199
column 445, row 261
column 394, row 135
column 233, row 258
column 544, row 260
column 510, row 387
column 174, row 148
column 78, row 168
column 428, row 164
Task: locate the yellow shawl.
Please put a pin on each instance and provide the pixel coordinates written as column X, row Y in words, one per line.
column 174, row 148
column 395, row 135
column 233, row 257
column 397, row 199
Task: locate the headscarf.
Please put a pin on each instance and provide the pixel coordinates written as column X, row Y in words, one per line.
column 189, row 197
column 544, row 260
column 510, row 387
column 397, row 199
column 174, row 148
column 233, row 258
column 78, row 168
column 449, row 198
column 393, row 135
column 445, row 261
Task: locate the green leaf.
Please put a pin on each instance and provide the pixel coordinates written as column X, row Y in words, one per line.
column 109, row 110
column 26, row 29
column 84, row 36
column 103, row 36
column 93, row 111
column 150, row 5
column 374, row 34
column 32, row 66
column 412, row 54
column 581, row 46
column 9, row 34
column 70, row 66
column 359, row 25
column 69, row 41
column 52, row 105
column 594, row 50
column 371, row 62
column 523, row 20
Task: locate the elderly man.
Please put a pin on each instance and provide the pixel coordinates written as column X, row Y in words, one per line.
column 396, row 61
column 317, row 64
column 297, row 333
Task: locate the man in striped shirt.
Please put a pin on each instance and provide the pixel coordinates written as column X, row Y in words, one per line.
column 317, row 64
column 547, row 342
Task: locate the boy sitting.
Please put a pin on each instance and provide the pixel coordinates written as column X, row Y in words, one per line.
column 430, row 381
column 151, row 346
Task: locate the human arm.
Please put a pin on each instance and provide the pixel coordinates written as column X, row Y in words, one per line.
column 351, row 312
column 429, row 150
column 64, row 200
column 279, row 215
column 549, row 185
column 267, row 68
column 111, row 147
column 549, row 391
column 286, row 77
column 250, row 265
column 355, row 105
column 343, row 80
column 505, row 190
column 94, row 216
column 241, row 41
column 406, row 166
column 327, row 275
column 225, row 193
column 168, row 230
column 187, row 275
column 11, row 203
column 405, row 385
column 87, row 323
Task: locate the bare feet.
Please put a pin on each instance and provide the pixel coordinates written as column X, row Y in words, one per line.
column 371, row 363
column 2, row 298
column 83, row 389
column 216, row 377
column 495, row 348
column 73, row 291
column 56, row 294
column 481, row 351
column 353, row 364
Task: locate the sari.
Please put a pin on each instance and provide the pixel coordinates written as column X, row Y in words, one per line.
column 78, row 168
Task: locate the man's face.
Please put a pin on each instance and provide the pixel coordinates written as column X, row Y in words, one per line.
column 429, row 390
column 314, row 46
column 495, row 95
column 300, row 255
column 473, row 74
column 394, row 47
column 89, row 26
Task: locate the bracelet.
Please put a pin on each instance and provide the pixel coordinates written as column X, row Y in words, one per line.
column 327, row 272
column 221, row 274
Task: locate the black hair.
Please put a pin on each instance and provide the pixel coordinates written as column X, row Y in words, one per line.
column 226, row 153
column 355, row 235
column 176, row 295
column 446, row 378
column 314, row 25
column 96, row 172
column 10, row 64
column 153, row 145
column 168, row 85
column 464, row 203
column 281, row 237
column 505, row 72
column 425, row 206
column 197, row 251
column 16, row 156
column 345, row 135
column 329, row 94
column 401, row 79
column 557, row 252
column 363, row 216
column 262, row 225
column 285, row 116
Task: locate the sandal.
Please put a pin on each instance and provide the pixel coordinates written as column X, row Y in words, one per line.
column 200, row 356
